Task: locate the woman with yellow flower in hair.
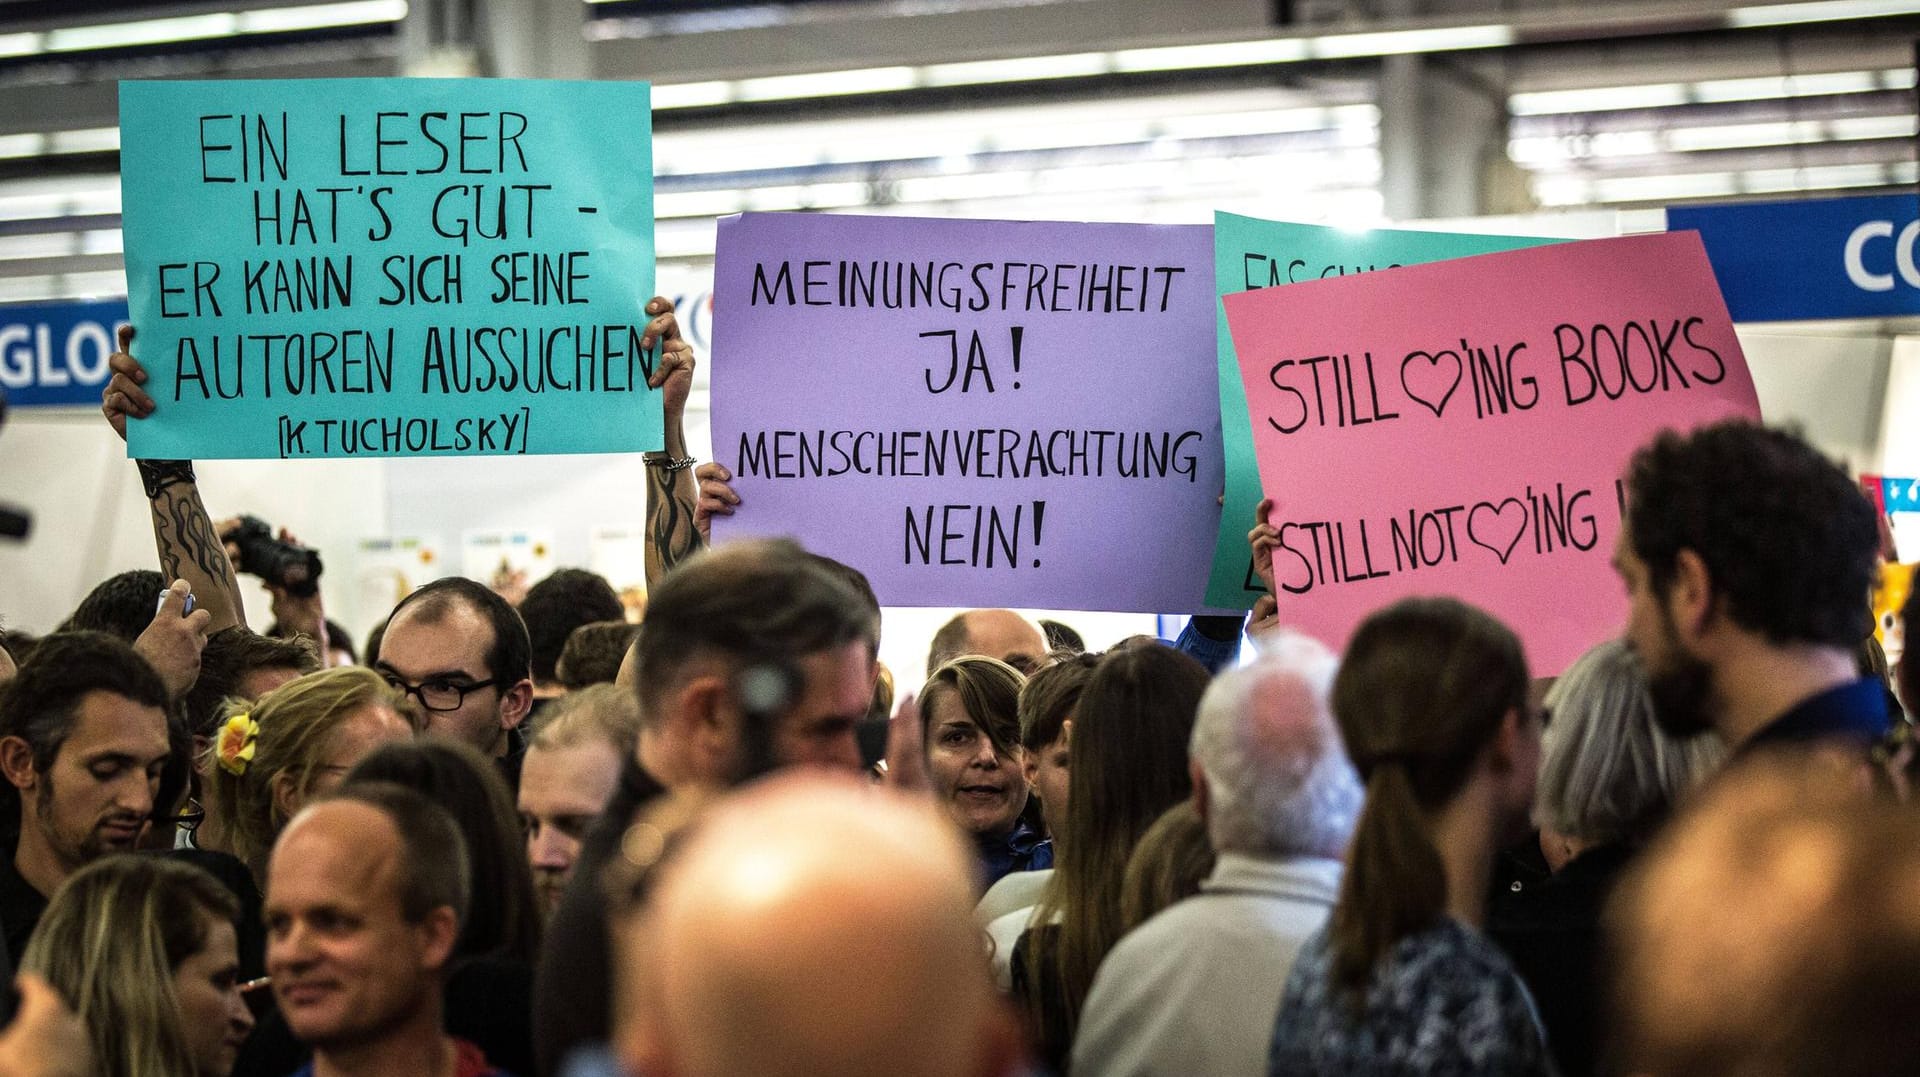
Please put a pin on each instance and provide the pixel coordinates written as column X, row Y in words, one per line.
column 268, row 759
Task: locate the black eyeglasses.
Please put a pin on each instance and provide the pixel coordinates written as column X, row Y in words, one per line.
column 439, row 695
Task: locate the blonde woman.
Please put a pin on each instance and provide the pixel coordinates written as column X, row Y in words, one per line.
column 143, row 949
column 269, row 759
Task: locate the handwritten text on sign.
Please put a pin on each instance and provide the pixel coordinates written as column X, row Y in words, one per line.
column 974, row 412
column 1460, row 427
column 1251, row 253
column 389, row 267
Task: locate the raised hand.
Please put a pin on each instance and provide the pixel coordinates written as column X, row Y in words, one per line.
column 716, row 497
column 173, row 642
column 124, row 397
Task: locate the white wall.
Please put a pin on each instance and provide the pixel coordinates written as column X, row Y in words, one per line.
column 1830, row 379
column 1900, row 439
column 91, row 521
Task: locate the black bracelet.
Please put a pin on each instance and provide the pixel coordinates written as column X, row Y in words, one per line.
column 157, row 475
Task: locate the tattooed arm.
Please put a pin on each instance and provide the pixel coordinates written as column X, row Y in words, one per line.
column 183, row 533
column 671, row 535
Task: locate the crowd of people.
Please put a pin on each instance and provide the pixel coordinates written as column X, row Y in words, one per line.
column 513, row 834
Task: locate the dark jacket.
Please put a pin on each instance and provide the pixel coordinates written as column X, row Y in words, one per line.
column 1549, row 925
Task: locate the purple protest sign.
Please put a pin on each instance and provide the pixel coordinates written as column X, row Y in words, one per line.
column 974, row 413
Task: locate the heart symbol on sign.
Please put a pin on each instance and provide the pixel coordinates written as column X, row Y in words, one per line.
column 1424, row 381
column 1497, row 524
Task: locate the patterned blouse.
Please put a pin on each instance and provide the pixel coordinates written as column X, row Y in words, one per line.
column 1444, row 1002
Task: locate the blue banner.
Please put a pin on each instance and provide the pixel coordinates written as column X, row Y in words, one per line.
column 56, row 353
column 1831, row 258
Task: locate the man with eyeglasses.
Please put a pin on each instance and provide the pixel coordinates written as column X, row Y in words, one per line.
column 463, row 654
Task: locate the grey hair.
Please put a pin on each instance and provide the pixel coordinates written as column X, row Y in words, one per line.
column 1607, row 771
column 1278, row 779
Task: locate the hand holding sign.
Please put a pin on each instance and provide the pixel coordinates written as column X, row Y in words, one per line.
column 1463, row 446
column 126, row 394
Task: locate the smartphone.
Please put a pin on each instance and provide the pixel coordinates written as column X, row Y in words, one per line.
column 161, row 604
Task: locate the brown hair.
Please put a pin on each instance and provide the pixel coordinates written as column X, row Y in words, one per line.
column 1129, row 765
column 498, row 916
column 602, row 712
column 231, row 655
column 1168, row 865
column 296, row 720
column 1050, row 696
column 593, row 653
column 988, row 691
column 1424, row 687
column 758, row 602
column 110, row 942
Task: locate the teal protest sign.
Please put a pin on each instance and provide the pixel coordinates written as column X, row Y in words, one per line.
column 1251, row 253
column 389, row 267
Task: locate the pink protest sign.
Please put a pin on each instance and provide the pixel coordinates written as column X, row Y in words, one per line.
column 1461, row 427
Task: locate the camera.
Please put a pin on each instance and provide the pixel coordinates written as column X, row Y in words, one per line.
column 14, row 522
column 293, row 569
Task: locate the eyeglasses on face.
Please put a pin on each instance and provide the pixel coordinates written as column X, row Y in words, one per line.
column 439, row 694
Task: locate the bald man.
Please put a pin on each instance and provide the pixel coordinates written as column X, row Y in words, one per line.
column 1001, row 634
column 1772, row 929
column 765, row 949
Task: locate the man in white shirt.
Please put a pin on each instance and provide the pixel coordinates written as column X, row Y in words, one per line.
column 1193, row 991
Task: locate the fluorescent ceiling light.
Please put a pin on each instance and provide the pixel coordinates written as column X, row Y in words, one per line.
column 321, row 16
column 1818, row 11
column 1575, row 190
column 1265, row 122
column 1283, row 50
column 691, row 94
column 114, row 35
column 1854, row 128
column 825, row 84
column 112, row 282
column 39, row 245
column 12, row 45
column 1018, row 69
column 1860, row 175
column 68, row 201
column 1600, row 99
column 27, row 145
column 1774, row 86
column 1743, row 136
column 671, row 204
column 1398, row 42
column 102, row 241
column 1074, row 65
column 1662, row 188
column 1117, row 132
column 84, row 140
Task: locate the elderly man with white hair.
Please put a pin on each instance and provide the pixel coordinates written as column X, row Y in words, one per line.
column 1193, row 990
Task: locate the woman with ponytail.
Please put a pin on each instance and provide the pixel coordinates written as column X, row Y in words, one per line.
column 1432, row 702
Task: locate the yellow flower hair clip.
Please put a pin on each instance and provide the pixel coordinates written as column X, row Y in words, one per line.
column 234, row 748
